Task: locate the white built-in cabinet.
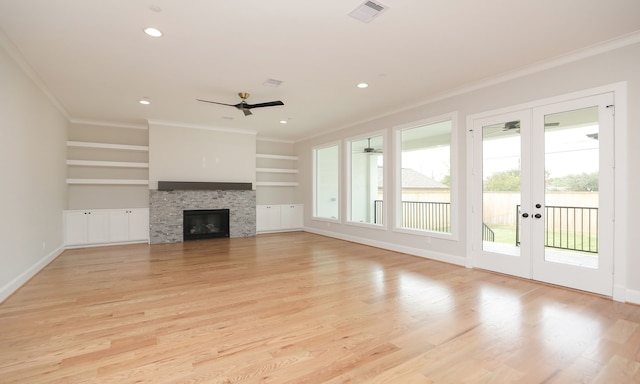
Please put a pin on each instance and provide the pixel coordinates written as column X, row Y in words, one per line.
column 86, row 227
column 128, row 225
column 279, row 217
column 291, row 216
column 267, row 218
column 276, row 180
column 106, row 226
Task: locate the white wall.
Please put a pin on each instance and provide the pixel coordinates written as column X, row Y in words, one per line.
column 182, row 153
column 32, row 170
column 613, row 66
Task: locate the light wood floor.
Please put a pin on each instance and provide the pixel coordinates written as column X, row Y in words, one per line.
column 302, row 308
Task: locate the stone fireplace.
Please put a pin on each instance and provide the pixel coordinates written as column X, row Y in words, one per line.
column 168, row 203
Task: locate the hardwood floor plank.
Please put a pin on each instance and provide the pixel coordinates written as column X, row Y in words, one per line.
column 302, row 308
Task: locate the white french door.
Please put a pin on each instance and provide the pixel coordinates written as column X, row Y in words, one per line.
column 543, row 193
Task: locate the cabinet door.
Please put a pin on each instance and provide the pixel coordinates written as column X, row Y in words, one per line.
column 291, row 216
column 97, row 227
column 139, row 224
column 267, row 217
column 75, row 227
column 118, row 225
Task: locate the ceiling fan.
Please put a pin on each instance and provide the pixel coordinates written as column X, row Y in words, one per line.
column 370, row 149
column 243, row 106
column 509, row 125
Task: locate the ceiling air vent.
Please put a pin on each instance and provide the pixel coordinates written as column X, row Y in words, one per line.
column 272, row 83
column 367, row 11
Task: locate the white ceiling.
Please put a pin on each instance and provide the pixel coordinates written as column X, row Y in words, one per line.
column 95, row 60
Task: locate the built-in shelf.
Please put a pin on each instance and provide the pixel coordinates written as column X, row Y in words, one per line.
column 108, row 181
column 124, row 147
column 110, row 164
column 280, row 157
column 276, row 170
column 107, row 164
column 263, row 159
column 276, row 183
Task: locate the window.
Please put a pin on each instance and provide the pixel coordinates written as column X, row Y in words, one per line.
column 424, row 176
column 326, row 189
column 365, row 180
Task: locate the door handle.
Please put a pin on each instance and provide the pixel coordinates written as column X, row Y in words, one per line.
column 537, row 215
column 525, row 215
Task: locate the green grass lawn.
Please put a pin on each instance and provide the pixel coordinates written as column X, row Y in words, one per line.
column 507, row 235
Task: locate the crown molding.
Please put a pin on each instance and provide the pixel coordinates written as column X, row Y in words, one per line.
column 274, row 140
column 109, row 124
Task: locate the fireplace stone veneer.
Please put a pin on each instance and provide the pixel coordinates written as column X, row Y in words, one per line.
column 166, row 207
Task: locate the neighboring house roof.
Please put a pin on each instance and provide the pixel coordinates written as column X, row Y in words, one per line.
column 414, row 179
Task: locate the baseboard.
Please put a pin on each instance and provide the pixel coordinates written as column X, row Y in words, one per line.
column 278, row 231
column 457, row 260
column 20, row 280
column 632, row 296
column 77, row 246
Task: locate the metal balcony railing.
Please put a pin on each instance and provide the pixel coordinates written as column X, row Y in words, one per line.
column 428, row 216
column 570, row 228
column 431, row 216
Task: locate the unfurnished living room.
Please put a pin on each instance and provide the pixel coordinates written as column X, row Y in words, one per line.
column 328, row 192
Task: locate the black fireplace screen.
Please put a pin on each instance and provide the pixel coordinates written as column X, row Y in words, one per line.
column 205, row 224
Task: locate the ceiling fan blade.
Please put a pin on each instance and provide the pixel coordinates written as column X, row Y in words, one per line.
column 267, row 104
column 243, row 106
column 215, row 102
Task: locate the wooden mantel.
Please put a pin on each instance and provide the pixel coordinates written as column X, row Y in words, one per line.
column 202, row 186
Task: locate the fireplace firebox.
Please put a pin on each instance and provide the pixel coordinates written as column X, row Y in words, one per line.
column 205, row 224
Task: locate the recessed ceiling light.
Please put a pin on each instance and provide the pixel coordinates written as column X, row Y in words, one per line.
column 362, row 85
column 145, row 101
column 283, row 121
column 153, row 32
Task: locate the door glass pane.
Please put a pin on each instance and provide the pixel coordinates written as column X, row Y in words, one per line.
column 571, row 187
column 366, row 180
column 501, row 198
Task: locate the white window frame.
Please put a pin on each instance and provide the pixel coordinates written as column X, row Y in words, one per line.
column 348, row 180
column 455, row 201
column 315, row 181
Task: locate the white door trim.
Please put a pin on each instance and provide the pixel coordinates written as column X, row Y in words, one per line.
column 621, row 170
